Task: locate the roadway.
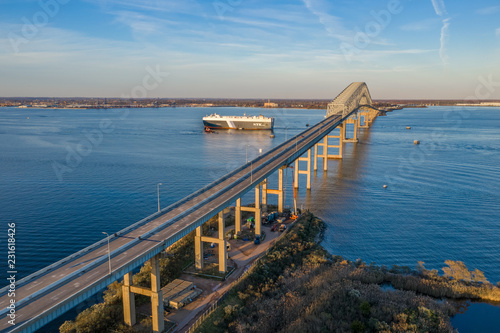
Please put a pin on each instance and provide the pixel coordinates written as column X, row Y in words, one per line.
column 56, row 289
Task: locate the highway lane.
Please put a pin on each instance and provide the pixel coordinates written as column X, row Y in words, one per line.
column 231, row 188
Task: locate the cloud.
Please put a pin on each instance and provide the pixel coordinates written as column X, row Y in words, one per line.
column 141, row 23
column 423, row 25
column 168, row 6
column 333, row 24
column 439, row 7
column 444, row 41
column 488, row 10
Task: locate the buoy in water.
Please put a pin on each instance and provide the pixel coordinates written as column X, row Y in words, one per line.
column 272, row 136
column 416, row 142
column 408, row 127
column 385, row 186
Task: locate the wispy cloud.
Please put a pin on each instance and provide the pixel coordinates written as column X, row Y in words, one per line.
column 169, row 6
column 443, row 52
column 488, row 10
column 439, row 7
column 333, row 24
column 256, row 23
column 141, row 24
column 424, row 25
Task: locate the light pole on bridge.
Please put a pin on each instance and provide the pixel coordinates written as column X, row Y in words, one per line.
column 158, row 194
column 109, row 253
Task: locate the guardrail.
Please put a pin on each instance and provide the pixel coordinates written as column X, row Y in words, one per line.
column 137, row 224
column 277, row 152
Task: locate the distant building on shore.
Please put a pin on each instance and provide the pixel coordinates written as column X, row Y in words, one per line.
column 270, row 105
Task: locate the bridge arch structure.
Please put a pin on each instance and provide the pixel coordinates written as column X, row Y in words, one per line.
column 50, row 292
column 351, row 99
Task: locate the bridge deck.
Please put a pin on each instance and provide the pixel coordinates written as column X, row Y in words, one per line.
column 55, row 291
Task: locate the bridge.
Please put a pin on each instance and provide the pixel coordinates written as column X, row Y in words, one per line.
column 50, row 292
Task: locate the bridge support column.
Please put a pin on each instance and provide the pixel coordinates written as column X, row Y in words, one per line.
column 156, row 296
column 155, row 293
column 341, row 138
column 258, row 212
column 351, row 120
column 128, row 301
column 315, row 157
column 222, row 244
column 264, row 196
column 280, row 189
column 304, row 172
column 198, row 249
column 363, row 120
column 278, row 192
column 237, row 217
column 325, row 153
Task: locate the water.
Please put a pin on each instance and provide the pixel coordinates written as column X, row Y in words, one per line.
column 473, row 319
column 107, row 166
column 442, row 200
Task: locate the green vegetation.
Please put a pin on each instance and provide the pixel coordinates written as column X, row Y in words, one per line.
column 298, row 287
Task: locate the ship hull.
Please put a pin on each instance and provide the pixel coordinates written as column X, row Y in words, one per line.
column 238, row 124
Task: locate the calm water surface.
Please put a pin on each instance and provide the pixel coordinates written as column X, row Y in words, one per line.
column 68, row 175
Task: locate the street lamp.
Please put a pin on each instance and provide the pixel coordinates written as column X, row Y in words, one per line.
column 251, row 172
column 109, row 253
column 158, row 191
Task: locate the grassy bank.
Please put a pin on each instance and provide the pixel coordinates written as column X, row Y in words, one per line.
column 299, row 287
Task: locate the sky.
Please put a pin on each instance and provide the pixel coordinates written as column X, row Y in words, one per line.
column 418, row 49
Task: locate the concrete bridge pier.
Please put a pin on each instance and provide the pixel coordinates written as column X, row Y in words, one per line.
column 352, row 120
column 266, row 191
column 257, row 210
column 237, row 217
column 198, row 249
column 156, row 296
column 264, row 196
column 363, row 120
column 368, row 115
column 128, row 301
column 303, row 172
column 155, row 293
column 315, row 167
column 341, row 138
column 221, row 242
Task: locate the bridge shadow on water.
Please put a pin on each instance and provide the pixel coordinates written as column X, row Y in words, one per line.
column 333, row 190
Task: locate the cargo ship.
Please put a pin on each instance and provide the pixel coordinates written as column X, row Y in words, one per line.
column 216, row 121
